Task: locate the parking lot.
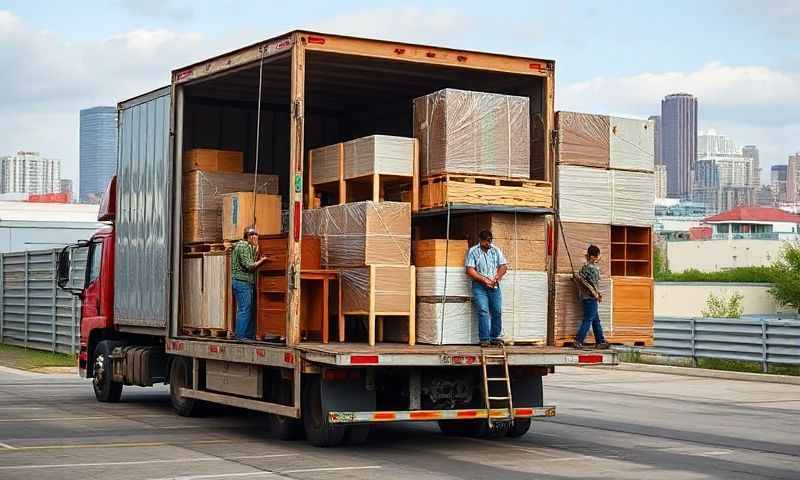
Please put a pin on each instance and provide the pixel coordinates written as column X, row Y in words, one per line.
column 610, row 424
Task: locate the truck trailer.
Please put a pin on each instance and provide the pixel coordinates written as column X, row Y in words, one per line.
column 314, row 89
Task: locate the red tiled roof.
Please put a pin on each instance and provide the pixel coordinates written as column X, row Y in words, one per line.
column 753, row 214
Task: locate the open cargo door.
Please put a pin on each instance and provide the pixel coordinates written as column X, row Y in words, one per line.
column 144, row 173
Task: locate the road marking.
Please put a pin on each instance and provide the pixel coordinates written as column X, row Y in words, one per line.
column 119, row 445
column 21, row 408
column 104, row 417
column 720, row 452
column 143, row 462
column 268, row 473
column 7, row 446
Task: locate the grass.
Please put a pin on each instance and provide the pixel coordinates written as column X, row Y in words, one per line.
column 27, row 359
column 734, row 275
column 709, row 363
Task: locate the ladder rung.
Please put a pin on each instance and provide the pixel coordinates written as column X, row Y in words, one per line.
column 499, row 398
column 498, row 379
column 494, row 356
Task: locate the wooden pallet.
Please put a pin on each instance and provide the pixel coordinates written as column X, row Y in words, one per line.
column 439, row 190
column 208, row 332
column 207, row 247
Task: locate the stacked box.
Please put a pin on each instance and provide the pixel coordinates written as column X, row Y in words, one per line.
column 631, row 144
column 212, row 160
column 583, row 139
column 379, row 154
column 473, row 133
column 584, row 194
column 446, row 292
column 239, row 210
column 206, row 292
column 439, row 252
column 362, row 233
column 633, row 199
column 202, row 200
column 521, row 237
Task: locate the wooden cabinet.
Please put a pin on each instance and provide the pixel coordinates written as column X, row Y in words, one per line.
column 632, row 307
column 631, row 251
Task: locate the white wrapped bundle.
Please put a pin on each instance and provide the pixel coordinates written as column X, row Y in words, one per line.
column 584, row 194
column 431, row 282
column 525, row 302
column 631, row 144
column 460, row 326
column 382, row 154
column 633, row 199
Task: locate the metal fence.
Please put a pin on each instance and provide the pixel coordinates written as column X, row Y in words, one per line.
column 764, row 340
column 34, row 312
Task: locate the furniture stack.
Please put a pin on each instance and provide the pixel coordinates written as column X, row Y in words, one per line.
column 605, row 197
column 475, row 154
column 369, row 243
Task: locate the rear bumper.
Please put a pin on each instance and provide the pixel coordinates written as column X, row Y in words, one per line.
column 429, row 415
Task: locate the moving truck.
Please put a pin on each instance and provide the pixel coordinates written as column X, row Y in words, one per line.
column 315, row 89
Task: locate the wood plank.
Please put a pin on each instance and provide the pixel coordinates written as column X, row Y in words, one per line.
column 436, row 194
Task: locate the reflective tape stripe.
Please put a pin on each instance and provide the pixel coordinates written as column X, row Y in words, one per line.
column 427, row 415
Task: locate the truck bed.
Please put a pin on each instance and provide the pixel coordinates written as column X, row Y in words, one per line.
column 386, row 354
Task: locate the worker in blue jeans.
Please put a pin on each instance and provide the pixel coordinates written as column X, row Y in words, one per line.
column 590, row 298
column 486, row 266
column 244, row 263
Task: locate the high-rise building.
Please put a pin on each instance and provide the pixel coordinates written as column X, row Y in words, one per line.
column 98, row 151
column 66, row 187
column 710, row 143
column 661, row 181
column 656, row 119
column 777, row 182
column 793, row 178
column 28, row 172
column 679, row 142
column 751, row 152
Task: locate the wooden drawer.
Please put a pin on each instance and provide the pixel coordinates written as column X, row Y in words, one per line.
column 276, row 262
column 271, row 322
column 272, row 300
column 272, row 283
column 277, row 246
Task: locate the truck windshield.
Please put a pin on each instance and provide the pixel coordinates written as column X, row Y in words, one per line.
column 95, row 261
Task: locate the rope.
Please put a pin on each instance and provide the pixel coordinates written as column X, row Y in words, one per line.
column 258, row 132
column 446, row 268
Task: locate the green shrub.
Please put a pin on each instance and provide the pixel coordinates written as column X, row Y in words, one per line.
column 734, row 275
column 786, row 277
column 659, row 263
column 723, row 306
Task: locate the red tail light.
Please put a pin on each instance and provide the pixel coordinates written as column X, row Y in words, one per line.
column 363, row 359
column 298, row 214
column 590, row 358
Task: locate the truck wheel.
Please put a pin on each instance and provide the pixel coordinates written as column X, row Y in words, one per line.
column 179, row 378
column 105, row 388
column 318, row 431
column 520, row 427
column 356, row 434
column 284, row 428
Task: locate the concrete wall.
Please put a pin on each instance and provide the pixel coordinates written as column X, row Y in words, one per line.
column 688, row 299
column 715, row 255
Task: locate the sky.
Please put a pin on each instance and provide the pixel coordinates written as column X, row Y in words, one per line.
column 740, row 58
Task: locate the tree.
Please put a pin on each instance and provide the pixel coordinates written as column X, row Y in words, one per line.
column 786, row 277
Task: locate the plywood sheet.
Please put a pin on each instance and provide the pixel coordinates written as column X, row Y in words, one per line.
column 633, row 198
column 440, row 253
column 379, row 154
column 569, row 309
column 632, row 144
column 584, row 194
column 577, row 237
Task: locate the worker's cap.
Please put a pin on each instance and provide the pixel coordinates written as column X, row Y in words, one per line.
column 249, row 231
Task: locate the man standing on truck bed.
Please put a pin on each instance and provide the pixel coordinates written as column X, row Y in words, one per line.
column 590, row 297
column 486, row 266
column 244, row 263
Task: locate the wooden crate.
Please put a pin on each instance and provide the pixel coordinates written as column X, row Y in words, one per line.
column 206, row 294
column 439, row 253
column 632, row 311
column 437, row 191
column 357, row 170
column 380, row 291
column 631, row 251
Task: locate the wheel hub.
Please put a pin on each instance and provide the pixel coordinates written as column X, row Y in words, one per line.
column 99, row 370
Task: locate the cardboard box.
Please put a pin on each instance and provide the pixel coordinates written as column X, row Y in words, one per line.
column 474, row 133
column 440, row 253
column 238, row 210
column 389, row 285
column 583, row 139
column 213, row 160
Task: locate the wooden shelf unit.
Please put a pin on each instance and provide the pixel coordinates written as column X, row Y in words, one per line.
column 631, row 251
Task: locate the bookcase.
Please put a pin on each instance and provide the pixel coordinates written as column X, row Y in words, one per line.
column 631, row 251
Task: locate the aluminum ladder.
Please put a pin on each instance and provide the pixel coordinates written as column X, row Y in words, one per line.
column 497, row 357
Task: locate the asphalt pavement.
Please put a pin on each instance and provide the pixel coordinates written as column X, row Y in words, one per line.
column 611, row 424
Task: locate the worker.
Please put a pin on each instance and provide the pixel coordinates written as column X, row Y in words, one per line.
column 591, row 297
column 244, row 263
column 486, row 266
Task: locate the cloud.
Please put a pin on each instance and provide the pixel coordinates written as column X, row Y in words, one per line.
column 777, row 17
column 747, row 93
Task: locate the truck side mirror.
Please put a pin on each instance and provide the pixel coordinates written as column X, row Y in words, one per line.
column 64, row 268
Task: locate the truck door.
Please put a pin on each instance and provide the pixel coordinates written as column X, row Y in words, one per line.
column 93, row 292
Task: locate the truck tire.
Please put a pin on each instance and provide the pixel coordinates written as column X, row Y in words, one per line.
column 318, row 431
column 105, row 388
column 179, row 377
column 520, row 427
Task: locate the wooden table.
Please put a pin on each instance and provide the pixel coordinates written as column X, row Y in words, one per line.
column 315, row 308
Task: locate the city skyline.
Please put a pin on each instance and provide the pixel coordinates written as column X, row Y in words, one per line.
column 110, row 53
column 98, row 151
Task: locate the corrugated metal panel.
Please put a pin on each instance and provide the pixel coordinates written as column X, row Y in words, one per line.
column 143, row 231
column 34, row 312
